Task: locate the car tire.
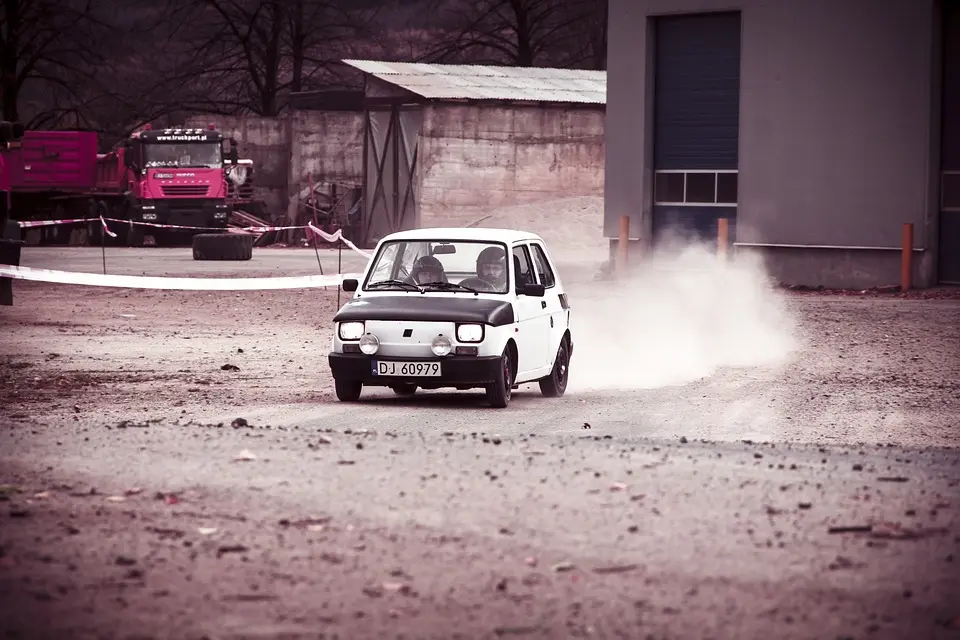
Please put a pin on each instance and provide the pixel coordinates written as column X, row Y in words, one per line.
column 347, row 390
column 222, row 246
column 404, row 389
column 500, row 392
column 554, row 385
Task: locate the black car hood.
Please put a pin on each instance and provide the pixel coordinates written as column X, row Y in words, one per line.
column 428, row 308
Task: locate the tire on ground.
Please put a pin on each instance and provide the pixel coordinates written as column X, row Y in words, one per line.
column 222, row 246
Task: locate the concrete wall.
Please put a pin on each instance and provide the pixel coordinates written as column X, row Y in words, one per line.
column 473, row 158
column 838, row 130
column 287, row 149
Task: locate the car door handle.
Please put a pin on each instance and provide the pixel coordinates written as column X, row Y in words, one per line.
column 543, row 304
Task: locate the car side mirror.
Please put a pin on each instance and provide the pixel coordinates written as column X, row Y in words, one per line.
column 533, row 290
column 350, row 284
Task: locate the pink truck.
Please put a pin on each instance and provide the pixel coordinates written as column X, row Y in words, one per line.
column 160, row 176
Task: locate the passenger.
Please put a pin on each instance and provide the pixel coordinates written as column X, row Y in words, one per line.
column 492, row 267
column 428, row 270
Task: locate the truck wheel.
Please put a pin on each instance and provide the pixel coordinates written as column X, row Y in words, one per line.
column 347, row 390
column 222, row 246
column 555, row 384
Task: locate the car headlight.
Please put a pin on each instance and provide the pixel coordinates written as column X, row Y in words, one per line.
column 369, row 343
column 350, row 330
column 441, row 345
column 470, row 333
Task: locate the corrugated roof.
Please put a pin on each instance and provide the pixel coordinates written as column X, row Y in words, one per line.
column 478, row 82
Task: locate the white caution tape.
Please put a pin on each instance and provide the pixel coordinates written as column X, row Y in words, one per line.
column 338, row 235
column 329, row 237
column 181, row 226
column 50, row 223
column 106, row 228
column 182, row 284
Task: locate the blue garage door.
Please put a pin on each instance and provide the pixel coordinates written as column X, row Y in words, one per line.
column 950, row 148
column 696, row 123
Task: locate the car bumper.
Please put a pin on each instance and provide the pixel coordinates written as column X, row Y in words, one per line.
column 455, row 371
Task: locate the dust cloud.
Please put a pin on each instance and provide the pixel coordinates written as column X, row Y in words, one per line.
column 680, row 315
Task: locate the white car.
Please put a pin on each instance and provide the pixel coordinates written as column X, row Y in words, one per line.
column 461, row 308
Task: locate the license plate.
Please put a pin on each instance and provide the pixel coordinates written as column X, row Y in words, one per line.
column 406, row 369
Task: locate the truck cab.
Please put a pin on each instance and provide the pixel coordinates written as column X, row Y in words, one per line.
column 177, row 177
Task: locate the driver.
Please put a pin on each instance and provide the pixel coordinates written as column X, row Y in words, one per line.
column 492, row 266
column 427, row 270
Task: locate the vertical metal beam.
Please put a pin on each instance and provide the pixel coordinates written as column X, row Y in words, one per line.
column 364, row 193
column 395, row 139
column 906, row 258
column 723, row 237
column 623, row 244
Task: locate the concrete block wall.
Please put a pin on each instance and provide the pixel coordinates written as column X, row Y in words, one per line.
column 329, row 146
column 285, row 150
column 266, row 142
column 474, row 158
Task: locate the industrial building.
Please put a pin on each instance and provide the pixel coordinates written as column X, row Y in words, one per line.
column 445, row 143
column 819, row 128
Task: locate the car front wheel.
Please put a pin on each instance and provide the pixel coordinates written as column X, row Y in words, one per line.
column 347, row 390
column 555, row 384
column 499, row 393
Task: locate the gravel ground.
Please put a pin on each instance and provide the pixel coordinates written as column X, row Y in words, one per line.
column 697, row 510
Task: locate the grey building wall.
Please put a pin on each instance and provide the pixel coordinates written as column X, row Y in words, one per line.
column 838, row 132
column 473, row 158
column 287, row 149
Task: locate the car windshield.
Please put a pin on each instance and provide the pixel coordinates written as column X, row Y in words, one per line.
column 208, row 155
column 459, row 266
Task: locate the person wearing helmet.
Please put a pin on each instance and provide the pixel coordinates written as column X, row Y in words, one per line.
column 427, row 270
column 492, row 266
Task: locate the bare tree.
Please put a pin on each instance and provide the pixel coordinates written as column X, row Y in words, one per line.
column 248, row 55
column 521, row 33
column 590, row 41
column 54, row 53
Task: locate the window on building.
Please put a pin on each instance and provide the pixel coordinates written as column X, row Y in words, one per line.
column 695, row 188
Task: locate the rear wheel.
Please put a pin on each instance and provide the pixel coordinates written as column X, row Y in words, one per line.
column 347, row 390
column 555, row 384
column 404, row 389
column 501, row 390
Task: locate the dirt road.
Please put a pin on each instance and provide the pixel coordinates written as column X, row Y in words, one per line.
column 690, row 511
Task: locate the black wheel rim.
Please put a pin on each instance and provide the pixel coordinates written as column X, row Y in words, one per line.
column 507, row 382
column 563, row 368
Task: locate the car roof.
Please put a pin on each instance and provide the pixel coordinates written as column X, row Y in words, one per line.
column 464, row 233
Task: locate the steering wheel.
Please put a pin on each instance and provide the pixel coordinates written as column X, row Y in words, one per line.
column 479, row 284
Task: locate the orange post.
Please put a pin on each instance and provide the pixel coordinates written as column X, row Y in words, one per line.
column 623, row 243
column 906, row 258
column 723, row 235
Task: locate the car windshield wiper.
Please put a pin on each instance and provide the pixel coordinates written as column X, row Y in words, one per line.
column 394, row 283
column 450, row 285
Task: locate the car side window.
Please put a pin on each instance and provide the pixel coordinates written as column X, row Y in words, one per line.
column 521, row 264
column 543, row 267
